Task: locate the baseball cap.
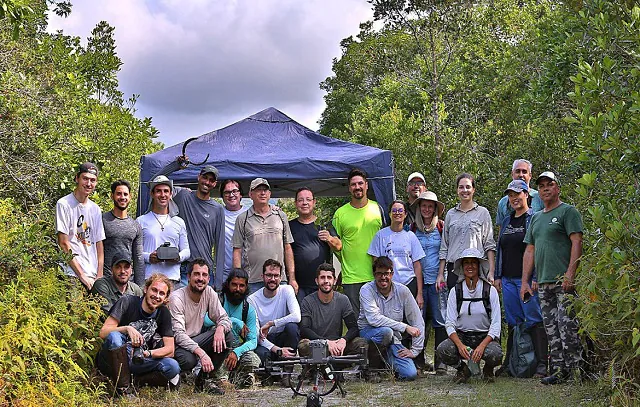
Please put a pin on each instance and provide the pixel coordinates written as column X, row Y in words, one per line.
column 550, row 175
column 160, row 180
column 91, row 168
column 416, row 175
column 120, row 257
column 257, row 182
column 209, row 169
column 517, row 185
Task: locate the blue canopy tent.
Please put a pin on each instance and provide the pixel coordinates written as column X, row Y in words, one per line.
column 271, row 145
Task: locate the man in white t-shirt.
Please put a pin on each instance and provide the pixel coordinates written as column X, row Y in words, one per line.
column 79, row 228
column 231, row 193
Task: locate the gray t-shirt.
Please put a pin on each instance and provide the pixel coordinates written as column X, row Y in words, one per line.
column 123, row 235
column 326, row 319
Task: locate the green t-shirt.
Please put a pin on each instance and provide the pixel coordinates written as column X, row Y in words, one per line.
column 356, row 228
column 549, row 233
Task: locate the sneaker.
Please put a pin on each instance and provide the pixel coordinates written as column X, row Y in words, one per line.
column 560, row 376
column 463, row 374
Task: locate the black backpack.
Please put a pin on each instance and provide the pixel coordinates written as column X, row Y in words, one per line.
column 522, row 360
column 486, row 301
column 245, row 307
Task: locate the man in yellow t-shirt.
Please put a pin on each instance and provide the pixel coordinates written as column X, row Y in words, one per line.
column 355, row 224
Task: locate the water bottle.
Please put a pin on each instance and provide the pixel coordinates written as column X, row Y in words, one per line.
column 474, row 367
column 443, row 297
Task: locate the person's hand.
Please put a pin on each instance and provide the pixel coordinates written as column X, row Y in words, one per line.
column 534, row 286
column 525, row 288
column 568, row 283
column 88, row 282
column 478, row 352
column 218, row 340
column 405, row 353
column 244, row 331
column 294, row 284
column 462, row 350
column 337, row 347
column 490, row 276
column 231, row 361
column 497, row 283
column 207, row 364
column 286, row 352
column 153, row 258
column 136, row 337
column 420, row 300
column 439, row 282
column 413, row 331
column 183, row 160
column 264, row 329
column 324, row 235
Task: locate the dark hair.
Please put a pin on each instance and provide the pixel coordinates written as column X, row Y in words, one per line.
column 118, row 183
column 304, row 189
column 397, row 201
column 272, row 263
column 326, row 267
column 382, row 262
column 235, row 273
column 227, row 181
column 200, row 262
column 467, row 176
column 357, row 172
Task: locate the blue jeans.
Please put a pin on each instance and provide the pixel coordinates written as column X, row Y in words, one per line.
column 431, row 302
column 403, row 367
column 168, row 367
column 288, row 338
column 515, row 311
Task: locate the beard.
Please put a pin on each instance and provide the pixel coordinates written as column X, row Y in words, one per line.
column 236, row 298
column 117, row 205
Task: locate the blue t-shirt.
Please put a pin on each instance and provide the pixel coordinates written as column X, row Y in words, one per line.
column 403, row 248
column 430, row 243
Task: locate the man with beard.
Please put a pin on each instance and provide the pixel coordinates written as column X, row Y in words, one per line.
column 204, row 219
column 159, row 227
column 123, row 233
column 385, row 305
column 188, row 306
column 521, row 169
column 356, row 223
column 415, row 186
column 129, row 345
column 117, row 284
column 231, row 193
column 79, row 228
column 322, row 315
column 242, row 360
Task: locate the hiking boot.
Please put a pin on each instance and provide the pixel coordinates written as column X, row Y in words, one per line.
column 560, row 376
column 441, row 370
column 487, row 374
column 463, row 374
column 247, row 381
column 205, row 385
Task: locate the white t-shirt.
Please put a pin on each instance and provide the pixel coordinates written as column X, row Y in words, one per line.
column 83, row 224
column 281, row 309
column 403, row 248
column 153, row 236
column 229, row 225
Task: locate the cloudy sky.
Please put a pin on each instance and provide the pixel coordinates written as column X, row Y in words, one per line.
column 199, row 65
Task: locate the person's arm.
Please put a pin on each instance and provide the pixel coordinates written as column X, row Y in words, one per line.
column 238, row 240
column 568, row 284
column 292, row 306
column 414, row 317
column 491, row 256
column 178, row 322
column 496, row 320
column 100, row 251
column 166, row 351
column 237, row 258
column 417, row 269
column 251, row 339
column 65, row 245
column 351, row 322
column 137, row 255
column 290, row 267
column 183, row 244
column 220, row 247
column 217, row 312
column 372, row 312
column 334, row 242
column 442, row 254
column 306, row 332
column 101, row 289
column 488, row 242
column 527, row 269
column 111, row 325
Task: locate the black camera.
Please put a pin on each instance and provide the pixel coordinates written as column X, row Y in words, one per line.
column 166, row 252
column 138, row 356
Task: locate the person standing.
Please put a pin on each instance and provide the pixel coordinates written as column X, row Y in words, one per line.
column 554, row 247
column 520, row 170
column 79, row 228
column 231, row 193
column 416, row 185
column 112, row 287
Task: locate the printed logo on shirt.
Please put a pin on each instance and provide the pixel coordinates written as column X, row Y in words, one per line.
column 83, row 231
column 554, row 220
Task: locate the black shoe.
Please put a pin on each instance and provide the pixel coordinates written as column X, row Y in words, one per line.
column 463, row 374
column 487, row 374
column 560, row 376
column 204, row 385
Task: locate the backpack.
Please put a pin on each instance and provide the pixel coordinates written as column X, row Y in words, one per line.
column 486, row 301
column 245, row 307
column 522, row 362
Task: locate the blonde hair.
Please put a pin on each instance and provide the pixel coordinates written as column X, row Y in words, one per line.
column 163, row 279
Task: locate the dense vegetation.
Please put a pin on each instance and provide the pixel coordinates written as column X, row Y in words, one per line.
column 448, row 86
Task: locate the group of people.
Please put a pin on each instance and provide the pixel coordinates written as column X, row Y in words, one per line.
column 214, row 290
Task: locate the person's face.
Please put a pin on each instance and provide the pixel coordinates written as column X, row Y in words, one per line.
column 383, row 278
column 305, row 203
column 238, row 289
column 271, row 278
column 548, row 190
column 86, row 182
column 521, row 172
column 121, row 272
column 231, row 196
column 121, row 197
column 415, row 187
column 156, row 294
column 470, row 267
column 325, row 281
column 161, row 195
column 465, row 190
column 427, row 209
column 398, row 213
column 199, row 278
column 260, row 195
column 518, row 200
column 358, row 187
column 206, row 183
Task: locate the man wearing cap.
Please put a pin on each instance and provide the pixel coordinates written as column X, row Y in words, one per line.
column 415, row 186
column 262, row 233
column 159, row 227
column 117, row 283
column 123, row 233
column 554, row 247
column 79, row 228
column 521, row 169
column 231, row 193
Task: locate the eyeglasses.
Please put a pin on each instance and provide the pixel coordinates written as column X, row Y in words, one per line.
column 380, row 274
column 272, row 276
column 397, row 210
column 416, row 183
column 232, row 192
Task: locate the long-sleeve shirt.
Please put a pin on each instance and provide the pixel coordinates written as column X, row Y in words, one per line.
column 187, row 316
column 123, row 235
column 376, row 311
column 156, row 230
column 235, row 315
column 473, row 316
column 281, row 309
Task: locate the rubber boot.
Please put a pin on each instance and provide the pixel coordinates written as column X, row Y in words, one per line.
column 504, row 369
column 541, row 348
column 440, row 336
column 120, row 376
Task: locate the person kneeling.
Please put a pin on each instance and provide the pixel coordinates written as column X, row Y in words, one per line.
column 473, row 321
column 129, row 346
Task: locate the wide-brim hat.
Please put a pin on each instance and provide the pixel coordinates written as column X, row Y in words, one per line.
column 473, row 253
column 431, row 196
